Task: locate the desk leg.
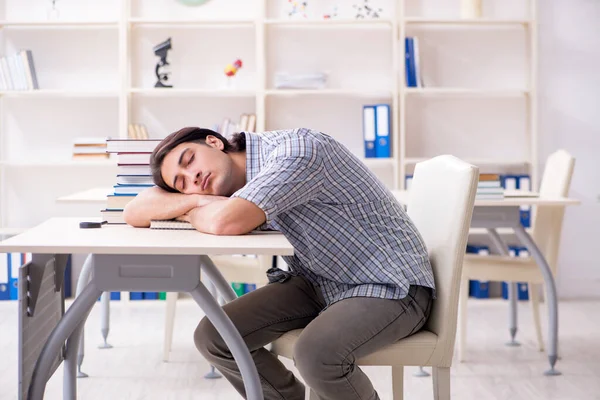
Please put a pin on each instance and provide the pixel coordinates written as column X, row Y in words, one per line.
column 213, row 373
column 502, row 249
column 552, row 299
column 69, row 372
column 209, row 268
column 105, row 319
column 84, row 279
column 74, row 316
column 232, row 339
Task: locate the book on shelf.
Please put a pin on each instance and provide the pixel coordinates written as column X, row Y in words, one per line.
column 137, row 131
column 17, row 71
column 412, row 62
column 246, row 123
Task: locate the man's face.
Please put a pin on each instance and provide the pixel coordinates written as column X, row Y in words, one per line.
column 197, row 168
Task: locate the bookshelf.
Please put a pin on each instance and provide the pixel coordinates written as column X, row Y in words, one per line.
column 95, row 64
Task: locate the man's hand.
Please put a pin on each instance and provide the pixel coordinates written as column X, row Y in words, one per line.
column 155, row 203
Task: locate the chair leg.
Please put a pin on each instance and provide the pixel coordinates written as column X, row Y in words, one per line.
column 441, row 383
column 169, row 324
column 462, row 317
column 534, row 299
column 397, row 382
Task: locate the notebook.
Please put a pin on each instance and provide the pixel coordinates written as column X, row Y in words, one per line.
column 170, row 224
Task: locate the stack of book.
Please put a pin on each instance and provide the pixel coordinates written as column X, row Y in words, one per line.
column 133, row 174
column 90, row 149
column 489, row 187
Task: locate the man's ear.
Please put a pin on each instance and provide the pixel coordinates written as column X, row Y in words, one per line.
column 215, row 142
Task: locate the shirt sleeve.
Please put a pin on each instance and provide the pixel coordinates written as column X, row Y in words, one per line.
column 289, row 178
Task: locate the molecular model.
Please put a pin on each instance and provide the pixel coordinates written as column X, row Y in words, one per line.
column 232, row 69
column 297, row 8
column 366, row 11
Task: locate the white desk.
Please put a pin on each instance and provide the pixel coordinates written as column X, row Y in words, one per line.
column 494, row 214
column 123, row 258
column 95, row 195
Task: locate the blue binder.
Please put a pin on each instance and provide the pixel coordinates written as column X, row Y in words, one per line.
column 382, row 131
column 409, row 55
column 4, row 278
column 522, row 287
column 369, row 129
column 14, row 262
column 479, row 289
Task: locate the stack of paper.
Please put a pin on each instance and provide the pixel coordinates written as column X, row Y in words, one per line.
column 300, row 81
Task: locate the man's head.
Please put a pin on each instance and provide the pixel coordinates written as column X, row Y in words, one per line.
column 195, row 160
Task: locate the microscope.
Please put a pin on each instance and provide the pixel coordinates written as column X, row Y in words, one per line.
column 162, row 73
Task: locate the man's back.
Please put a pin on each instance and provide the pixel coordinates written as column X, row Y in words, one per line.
column 351, row 236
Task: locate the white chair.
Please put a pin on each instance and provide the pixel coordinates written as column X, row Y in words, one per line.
column 441, row 205
column 234, row 269
column 546, row 230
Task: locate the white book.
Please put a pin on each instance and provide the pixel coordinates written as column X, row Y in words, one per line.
column 170, row 224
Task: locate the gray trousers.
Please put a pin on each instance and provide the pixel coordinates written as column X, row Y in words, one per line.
column 329, row 345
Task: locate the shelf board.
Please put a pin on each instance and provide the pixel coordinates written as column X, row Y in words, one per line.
column 328, row 92
column 378, row 162
column 474, row 161
column 60, row 24
column 341, row 22
column 172, row 23
column 53, row 93
column 442, row 91
column 468, row 22
column 172, row 92
column 60, row 163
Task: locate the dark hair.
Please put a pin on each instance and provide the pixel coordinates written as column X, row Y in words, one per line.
column 184, row 135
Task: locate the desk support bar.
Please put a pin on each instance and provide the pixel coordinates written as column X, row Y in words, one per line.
column 524, row 237
column 217, row 279
column 502, row 250
column 35, row 271
column 232, row 339
column 73, row 317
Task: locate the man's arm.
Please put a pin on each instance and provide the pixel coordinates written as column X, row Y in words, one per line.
column 155, row 203
column 229, row 216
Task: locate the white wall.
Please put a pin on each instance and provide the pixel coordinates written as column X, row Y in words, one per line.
column 569, row 113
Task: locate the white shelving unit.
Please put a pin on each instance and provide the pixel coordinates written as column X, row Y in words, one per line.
column 95, row 65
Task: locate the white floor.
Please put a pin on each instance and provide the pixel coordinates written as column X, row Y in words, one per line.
column 133, row 368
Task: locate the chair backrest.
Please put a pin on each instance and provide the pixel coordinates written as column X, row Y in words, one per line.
column 441, row 202
column 547, row 225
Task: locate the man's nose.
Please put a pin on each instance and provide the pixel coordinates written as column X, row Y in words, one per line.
column 196, row 178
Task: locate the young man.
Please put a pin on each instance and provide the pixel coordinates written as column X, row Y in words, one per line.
column 360, row 277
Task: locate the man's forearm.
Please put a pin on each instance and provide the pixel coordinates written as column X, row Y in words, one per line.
column 155, row 203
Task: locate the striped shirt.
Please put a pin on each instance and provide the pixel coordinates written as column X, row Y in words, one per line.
column 351, row 237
